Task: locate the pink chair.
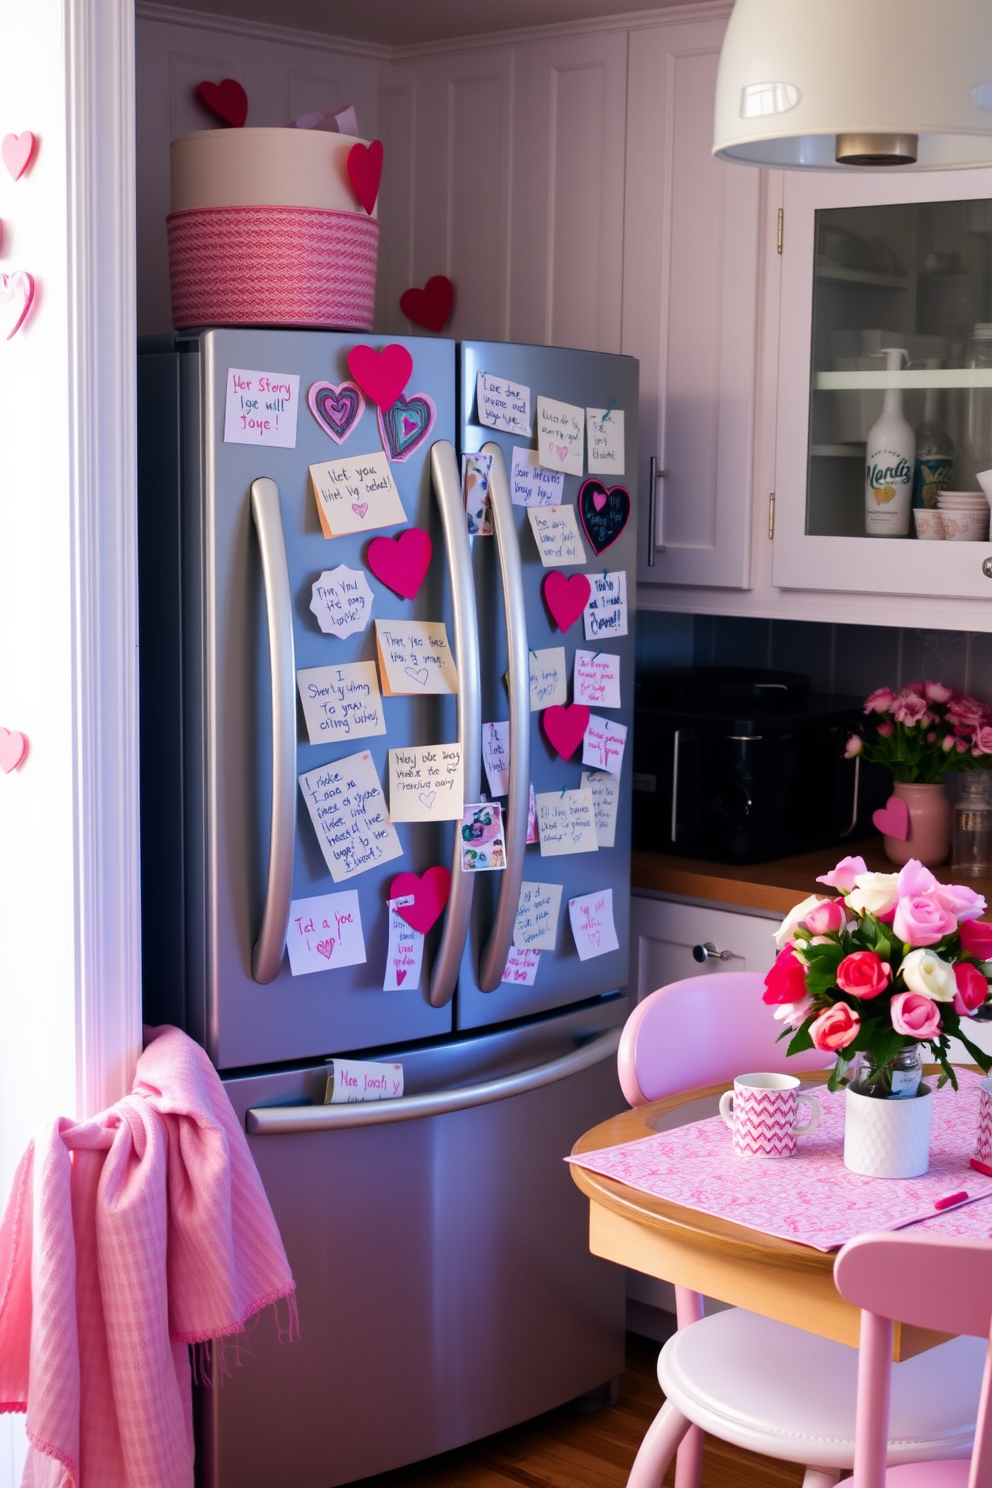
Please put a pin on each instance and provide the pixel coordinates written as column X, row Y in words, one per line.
column 944, row 1284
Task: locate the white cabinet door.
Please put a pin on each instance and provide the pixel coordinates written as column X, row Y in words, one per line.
column 664, row 932
column 691, row 248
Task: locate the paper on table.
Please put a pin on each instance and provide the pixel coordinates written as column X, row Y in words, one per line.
column 348, row 811
column 556, row 533
column 502, row 404
column 260, row 408
column 476, row 475
column 560, row 435
column 483, row 849
column 414, row 657
column 606, row 795
column 593, row 930
column 548, row 678
column 521, row 966
column 496, row 757
column 356, row 493
column 604, row 430
column 566, row 822
column 603, row 744
column 536, row 925
column 404, row 955
column 353, row 1080
column 606, row 612
column 596, row 679
column 342, row 601
column 532, row 484
column 325, row 932
column 425, row 783
column 341, row 702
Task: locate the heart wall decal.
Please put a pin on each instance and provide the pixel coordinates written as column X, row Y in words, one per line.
column 16, row 297
column 365, row 172
column 566, row 598
column 13, row 750
column 401, row 562
column 429, row 893
column 565, row 727
column 227, row 99
column 892, row 819
column 382, row 373
column 337, row 408
column 18, row 152
column 406, row 425
column 429, row 307
column 603, row 513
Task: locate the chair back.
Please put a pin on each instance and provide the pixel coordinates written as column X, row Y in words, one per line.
column 702, row 1031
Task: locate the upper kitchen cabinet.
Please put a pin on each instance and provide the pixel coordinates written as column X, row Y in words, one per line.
column 690, row 311
column 886, row 306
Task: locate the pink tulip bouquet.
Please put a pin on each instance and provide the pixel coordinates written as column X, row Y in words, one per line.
column 895, row 959
column 925, row 731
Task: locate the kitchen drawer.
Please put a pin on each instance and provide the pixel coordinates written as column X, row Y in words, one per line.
column 664, row 932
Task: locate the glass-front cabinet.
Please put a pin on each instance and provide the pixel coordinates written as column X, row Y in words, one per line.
column 884, row 434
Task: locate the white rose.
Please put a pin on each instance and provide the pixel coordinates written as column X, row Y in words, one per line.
column 873, row 893
column 785, row 931
column 924, row 972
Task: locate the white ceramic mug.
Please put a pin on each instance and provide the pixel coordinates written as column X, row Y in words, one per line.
column 962, row 525
column 762, row 1111
column 926, row 520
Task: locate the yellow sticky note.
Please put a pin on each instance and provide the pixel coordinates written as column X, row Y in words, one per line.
column 425, row 783
column 414, row 657
column 356, row 494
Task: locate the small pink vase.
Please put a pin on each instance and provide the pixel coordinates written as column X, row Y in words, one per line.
column 929, row 838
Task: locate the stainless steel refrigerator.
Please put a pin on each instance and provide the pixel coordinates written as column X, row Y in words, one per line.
column 440, row 1248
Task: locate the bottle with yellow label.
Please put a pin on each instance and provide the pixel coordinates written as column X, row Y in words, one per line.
column 890, row 458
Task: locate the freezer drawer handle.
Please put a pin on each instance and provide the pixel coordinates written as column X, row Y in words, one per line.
column 265, row 509
column 269, row 1121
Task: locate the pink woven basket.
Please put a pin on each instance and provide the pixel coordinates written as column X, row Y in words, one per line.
column 272, row 266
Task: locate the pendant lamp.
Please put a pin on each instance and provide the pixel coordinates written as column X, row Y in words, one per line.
column 855, row 84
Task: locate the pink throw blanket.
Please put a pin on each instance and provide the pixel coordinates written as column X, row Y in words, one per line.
column 125, row 1239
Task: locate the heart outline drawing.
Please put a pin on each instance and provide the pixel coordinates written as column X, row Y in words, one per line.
column 227, row 99
column 17, row 296
column 13, row 750
column 420, row 674
column 365, row 172
column 326, row 948
column 429, row 892
column 427, row 799
column 892, row 819
column 405, row 425
column 604, row 513
column 381, row 372
column 401, row 563
column 360, row 508
column 565, row 728
column 336, row 407
column 565, row 597
column 429, row 307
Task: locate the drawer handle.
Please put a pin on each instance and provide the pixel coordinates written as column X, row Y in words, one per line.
column 708, row 952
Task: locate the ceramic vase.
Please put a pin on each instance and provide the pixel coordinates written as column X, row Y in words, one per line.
column 929, row 837
column 887, row 1138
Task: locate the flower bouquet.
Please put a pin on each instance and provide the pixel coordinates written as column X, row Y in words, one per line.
column 894, row 962
column 924, row 732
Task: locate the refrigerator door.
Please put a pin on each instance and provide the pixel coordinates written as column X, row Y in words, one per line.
column 587, row 380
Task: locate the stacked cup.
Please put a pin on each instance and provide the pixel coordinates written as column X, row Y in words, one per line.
column 964, row 516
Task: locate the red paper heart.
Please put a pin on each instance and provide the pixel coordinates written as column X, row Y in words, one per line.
column 893, row 818
column 566, row 598
column 365, row 171
column 13, row 749
column 16, row 294
column 430, row 894
column 401, row 562
column 565, row 727
column 227, row 99
column 18, row 150
column 430, row 306
column 381, row 374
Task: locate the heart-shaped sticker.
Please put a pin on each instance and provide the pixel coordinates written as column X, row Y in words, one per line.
column 893, row 818
column 406, row 425
column 13, row 749
column 603, row 513
column 401, row 562
column 337, row 409
column 566, row 598
column 16, row 294
column 18, row 151
column 365, row 172
column 429, row 307
column 429, row 893
column 565, row 727
column 382, row 373
column 227, row 99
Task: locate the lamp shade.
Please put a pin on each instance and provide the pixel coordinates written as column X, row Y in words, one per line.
column 841, row 84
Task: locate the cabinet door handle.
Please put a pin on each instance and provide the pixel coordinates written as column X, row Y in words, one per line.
column 676, row 740
column 854, row 805
column 708, row 952
column 654, row 476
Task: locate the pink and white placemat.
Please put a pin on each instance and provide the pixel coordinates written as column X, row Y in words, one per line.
column 811, row 1198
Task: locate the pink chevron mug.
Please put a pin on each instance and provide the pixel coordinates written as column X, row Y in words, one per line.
column 983, row 1148
column 762, row 1111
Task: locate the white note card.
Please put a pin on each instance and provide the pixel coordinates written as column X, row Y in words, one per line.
column 606, row 797
column 521, row 966
column 606, row 612
column 404, row 955
column 356, row 494
column 348, row 811
column 556, row 533
column 414, row 657
column 603, row 744
column 566, row 822
column 425, row 783
column 532, row 485
column 341, row 600
column 496, row 757
column 536, row 925
column 341, row 702
column 548, row 678
column 503, row 404
column 593, row 930
column 261, row 407
column 353, row 1080
column 596, row 679
column 604, row 431
column 561, row 429
column 325, row 932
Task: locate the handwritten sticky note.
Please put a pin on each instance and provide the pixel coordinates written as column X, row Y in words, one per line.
column 596, row 679
column 606, row 612
column 260, row 408
column 354, row 1080
column 342, row 601
column 425, row 783
column 532, row 485
column 483, row 849
column 556, row 533
column 521, row 966
column 593, row 930
column 566, row 822
column 348, row 811
column 414, row 657
column 502, row 404
column 603, row 744
column 548, row 678
column 561, row 431
column 476, row 475
column 606, row 795
column 341, row 702
column 356, row 494
column 325, row 932
column 496, row 757
column 404, row 954
column 604, row 431
column 536, row 925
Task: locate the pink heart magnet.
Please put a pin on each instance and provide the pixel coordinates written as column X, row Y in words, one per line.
column 565, row 727
column 13, row 749
column 566, row 598
column 381, row 373
column 365, row 171
column 892, row 819
column 18, row 150
column 401, row 562
column 337, row 409
column 16, row 295
column 429, row 893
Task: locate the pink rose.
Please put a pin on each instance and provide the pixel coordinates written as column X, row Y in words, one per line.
column 959, row 901
column 983, row 739
column 921, row 920
column 961, row 746
column 827, row 918
column 863, row 974
column 965, row 709
column 915, row 1016
column 794, row 1014
column 835, row 1029
column 786, row 982
column 880, row 701
column 909, row 710
column 972, row 991
column 854, row 746
column 976, row 939
column 913, row 878
column 914, row 689
column 886, row 729
column 947, row 743
column 842, row 877
column 937, row 693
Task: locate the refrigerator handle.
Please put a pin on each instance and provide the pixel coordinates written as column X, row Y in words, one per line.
column 493, row 960
column 448, row 490
column 267, row 514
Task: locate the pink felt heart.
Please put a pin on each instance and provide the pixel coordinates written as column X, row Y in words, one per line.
column 13, row 749
column 430, row 306
column 17, row 152
column 429, row 892
column 566, row 598
column 565, row 727
column 365, row 171
column 227, row 99
column 381, row 374
column 16, row 294
column 401, row 562
column 326, row 947
column 893, row 818
column 337, row 409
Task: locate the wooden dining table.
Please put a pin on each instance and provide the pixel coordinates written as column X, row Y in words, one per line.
column 729, row 1262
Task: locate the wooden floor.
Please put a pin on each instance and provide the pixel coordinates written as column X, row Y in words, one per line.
column 565, row 1449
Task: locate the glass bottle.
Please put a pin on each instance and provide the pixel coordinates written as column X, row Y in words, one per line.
column 934, row 451
column 890, row 457
column 971, row 834
column 896, row 1079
